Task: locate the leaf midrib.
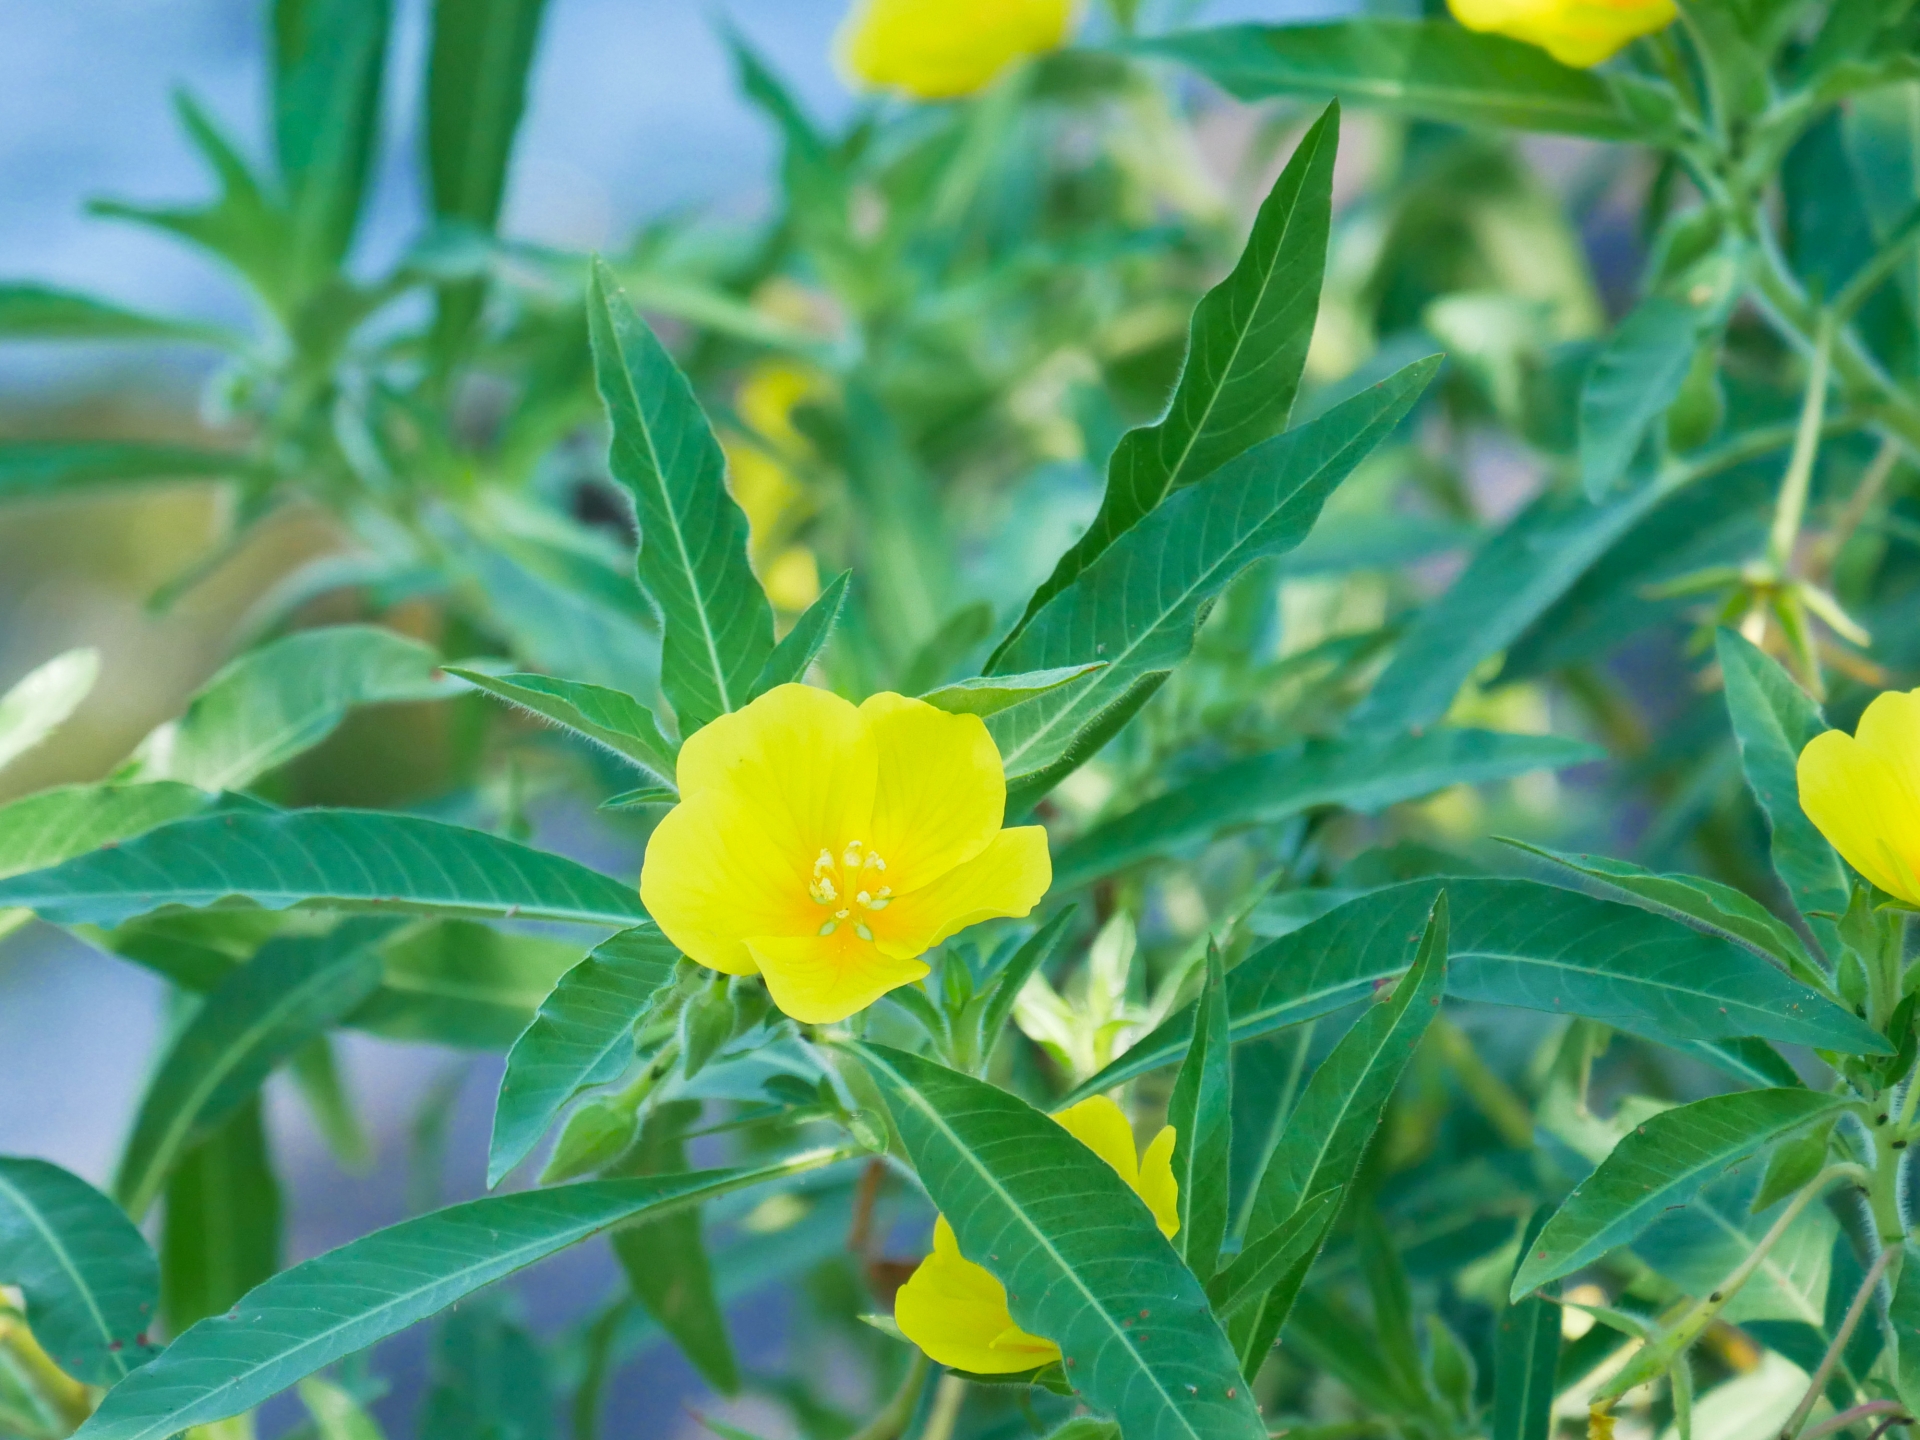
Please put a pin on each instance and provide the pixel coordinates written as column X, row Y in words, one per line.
column 65, row 1257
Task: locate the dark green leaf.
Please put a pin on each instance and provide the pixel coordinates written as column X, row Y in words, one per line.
column 801, row 646
column 35, row 312
column 716, row 624
column 329, row 61
column 1365, row 775
column 1526, row 1355
column 458, row 982
column 1137, row 605
column 1078, row 1252
column 261, row 1015
column 1905, row 1315
column 1659, row 1166
column 1245, row 353
column 482, row 51
column 1288, row 1247
column 90, row 1281
column 582, row 1036
column 1630, row 384
column 342, row 1302
column 1773, row 720
column 1201, row 1113
column 990, row 694
column 31, row 469
column 488, row 1381
column 1007, row 985
column 607, row 717
column 222, row 1231
column 324, row 859
column 1433, row 69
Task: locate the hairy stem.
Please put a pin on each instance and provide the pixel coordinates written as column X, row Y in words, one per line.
column 1818, row 1386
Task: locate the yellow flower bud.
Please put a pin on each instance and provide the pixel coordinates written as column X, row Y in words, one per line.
column 939, row 50
column 1574, row 32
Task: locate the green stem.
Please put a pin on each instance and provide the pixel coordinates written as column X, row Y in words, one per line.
column 647, row 1080
column 897, row 1413
column 1791, row 511
column 1818, row 1385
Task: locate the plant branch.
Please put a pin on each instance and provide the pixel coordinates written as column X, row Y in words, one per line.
column 897, row 1413
column 1831, row 1359
column 1854, row 1415
column 1791, row 510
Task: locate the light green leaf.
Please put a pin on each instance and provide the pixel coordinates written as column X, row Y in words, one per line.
column 1630, row 384
column 43, row 699
column 336, row 1415
column 324, row 859
column 1280, row 1252
column 1201, row 1113
column 990, row 694
column 1363, row 774
column 607, row 717
column 1245, row 352
column 1519, row 942
column 1434, row 69
column 582, row 1036
column 36, row 312
column 222, row 1232
column 90, row 1281
column 1078, row 1252
column 260, row 1015
column 461, row 983
column 717, row 625
column 34, row 469
column 1773, row 720
column 1666, row 1159
column 1511, row 580
column 58, row 824
column 1137, row 605
column 801, row 646
column 1004, row 991
column 346, row 1300
column 283, row 699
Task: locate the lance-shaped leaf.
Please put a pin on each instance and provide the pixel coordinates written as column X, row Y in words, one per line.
column 43, row 699
column 34, row 468
column 1282, row 1251
column 281, row 700
column 1660, row 1166
column 324, row 859
column 1078, row 1252
column 36, row 312
column 222, row 1231
column 338, row 1303
column 1328, row 1132
column 259, row 1016
column 1429, row 68
column 1526, row 1355
column 1246, row 350
column 329, row 62
column 990, row 694
column 90, row 1281
column 997, row 1002
column 1512, row 578
column 1520, row 942
column 1362, row 774
column 476, row 89
column 1773, row 720
column 801, row 646
column 58, row 824
column 582, row 1036
column 609, row 718
column 1630, row 384
column 1136, row 607
column 1201, row 1113
column 717, row 628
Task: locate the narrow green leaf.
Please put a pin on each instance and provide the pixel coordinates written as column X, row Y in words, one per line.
column 1512, row 578
column 1658, row 1167
column 944, row 653
column 582, row 1036
column 1078, row 1252
column 329, row 63
column 344, row 1301
column 1137, row 605
column 324, row 859
column 1434, row 69
column 43, row 699
column 222, row 1232
column 58, row 824
column 283, row 699
column 1366, row 774
column 644, row 796
column 1773, row 720
column 477, row 67
column 33, row 469
column 36, row 312
column 990, row 694
column 1007, row 985
column 329, row 1103
column 90, row 1281
column 1630, row 384
column 801, row 646
column 1519, row 942
column 1526, row 1355
column 1259, row 1267
column 465, row 984
column 716, row 623
column 488, row 1378
column 1201, row 1113
column 607, row 717
column 1246, row 350
column 259, row 1016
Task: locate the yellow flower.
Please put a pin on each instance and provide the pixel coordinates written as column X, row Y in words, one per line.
column 827, row 846
column 1574, row 32
column 957, row 1312
column 1863, row 791
column 760, row 475
column 940, row 49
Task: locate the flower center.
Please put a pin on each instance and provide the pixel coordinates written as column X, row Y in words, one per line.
column 848, row 883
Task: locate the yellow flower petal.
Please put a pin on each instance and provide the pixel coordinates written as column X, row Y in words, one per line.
column 818, row 979
column 1103, row 1128
column 937, row 49
column 802, row 758
column 941, row 791
column 711, row 879
column 1575, row 32
column 1858, row 801
column 956, row 1312
column 1890, row 728
column 1156, row 1183
column 1006, row 879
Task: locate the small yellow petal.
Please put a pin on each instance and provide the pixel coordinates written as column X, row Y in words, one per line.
column 1857, row 801
column 957, row 1313
column 1103, row 1128
column 1157, row 1185
column 938, row 50
column 1006, row 879
column 940, row 793
column 1575, row 32
column 818, row 979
